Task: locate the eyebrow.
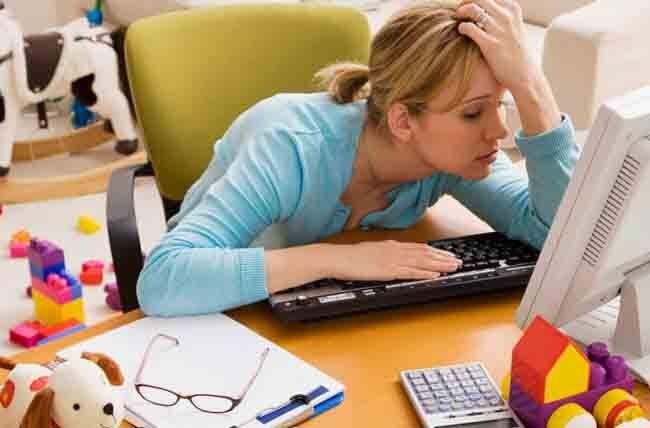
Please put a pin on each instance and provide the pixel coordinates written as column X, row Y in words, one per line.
column 481, row 97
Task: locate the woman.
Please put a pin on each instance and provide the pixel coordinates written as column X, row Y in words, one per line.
column 380, row 147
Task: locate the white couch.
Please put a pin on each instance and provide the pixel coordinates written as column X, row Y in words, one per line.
column 590, row 50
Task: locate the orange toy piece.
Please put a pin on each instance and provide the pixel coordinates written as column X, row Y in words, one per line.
column 547, row 365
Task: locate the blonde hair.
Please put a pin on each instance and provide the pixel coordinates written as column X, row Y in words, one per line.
column 414, row 56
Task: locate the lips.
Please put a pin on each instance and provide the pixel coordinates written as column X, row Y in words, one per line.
column 487, row 156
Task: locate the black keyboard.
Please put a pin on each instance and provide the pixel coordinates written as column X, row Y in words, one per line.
column 491, row 261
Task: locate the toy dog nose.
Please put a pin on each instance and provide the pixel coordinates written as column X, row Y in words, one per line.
column 108, row 409
column 2, row 5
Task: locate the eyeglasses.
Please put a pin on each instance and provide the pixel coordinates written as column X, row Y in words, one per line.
column 208, row 403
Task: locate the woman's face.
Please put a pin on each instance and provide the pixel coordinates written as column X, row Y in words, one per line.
column 465, row 140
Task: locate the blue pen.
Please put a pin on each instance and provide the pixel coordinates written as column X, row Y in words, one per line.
column 313, row 411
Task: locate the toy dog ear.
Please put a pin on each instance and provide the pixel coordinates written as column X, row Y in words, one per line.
column 110, row 367
column 39, row 412
column 5, row 363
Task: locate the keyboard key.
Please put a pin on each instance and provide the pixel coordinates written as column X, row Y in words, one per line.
column 444, row 372
column 477, row 375
column 413, row 375
column 495, row 402
column 469, row 404
column 475, row 397
column 482, row 381
column 430, row 409
column 485, row 388
column 441, row 394
column 446, row 400
column 421, row 388
column 457, row 406
column 431, row 378
column 444, row 407
column 449, row 378
column 467, row 382
column 482, row 403
column 418, row 381
column 425, row 395
column 429, row 402
column 436, row 387
column 457, row 391
column 463, row 376
column 471, row 390
column 453, row 384
column 460, row 398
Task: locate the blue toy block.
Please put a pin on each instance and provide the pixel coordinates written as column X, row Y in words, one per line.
column 64, row 333
column 40, row 273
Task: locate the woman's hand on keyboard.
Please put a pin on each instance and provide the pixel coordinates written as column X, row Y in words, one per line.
column 388, row 260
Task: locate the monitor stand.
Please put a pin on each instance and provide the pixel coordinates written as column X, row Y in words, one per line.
column 623, row 323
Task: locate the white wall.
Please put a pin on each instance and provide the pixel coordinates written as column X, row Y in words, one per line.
column 38, row 15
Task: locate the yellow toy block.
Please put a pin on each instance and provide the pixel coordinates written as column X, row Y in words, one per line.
column 569, row 376
column 87, row 225
column 49, row 312
column 616, row 407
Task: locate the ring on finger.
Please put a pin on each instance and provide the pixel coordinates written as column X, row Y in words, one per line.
column 481, row 20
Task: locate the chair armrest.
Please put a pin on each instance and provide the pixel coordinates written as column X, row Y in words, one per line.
column 123, row 236
column 595, row 53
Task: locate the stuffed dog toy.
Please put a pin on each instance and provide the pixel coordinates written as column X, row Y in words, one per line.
column 79, row 393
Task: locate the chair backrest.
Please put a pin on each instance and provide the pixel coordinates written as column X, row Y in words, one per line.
column 193, row 72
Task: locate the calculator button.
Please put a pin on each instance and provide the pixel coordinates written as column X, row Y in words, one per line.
column 467, row 382
column 429, row 402
column 446, row 400
column 413, row 375
column 463, row 376
column 430, row 409
column 431, row 378
column 459, row 370
column 485, row 388
column 441, row 394
column 461, row 398
column 445, row 407
column 475, row 397
column 444, row 372
column 482, row 381
column 421, row 388
column 469, row 404
column 436, row 387
column 453, row 384
column 457, row 406
column 477, row 375
column 425, row 395
column 495, row 402
column 471, row 390
column 482, row 402
column 418, row 381
column 449, row 377
column 490, row 395
column 457, row 391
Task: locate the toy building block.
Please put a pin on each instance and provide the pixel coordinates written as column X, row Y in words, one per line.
column 44, row 254
column 60, row 330
column 571, row 415
column 26, row 334
column 616, row 407
column 91, row 276
column 18, row 249
column 603, row 373
column 547, row 365
column 21, row 236
column 49, row 312
column 113, row 296
column 87, row 225
column 58, row 289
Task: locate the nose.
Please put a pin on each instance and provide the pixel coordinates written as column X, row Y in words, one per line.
column 108, row 409
column 498, row 126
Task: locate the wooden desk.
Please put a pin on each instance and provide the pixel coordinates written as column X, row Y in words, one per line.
column 367, row 351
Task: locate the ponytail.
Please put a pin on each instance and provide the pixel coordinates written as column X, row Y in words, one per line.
column 345, row 81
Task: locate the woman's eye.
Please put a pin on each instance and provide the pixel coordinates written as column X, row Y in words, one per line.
column 471, row 115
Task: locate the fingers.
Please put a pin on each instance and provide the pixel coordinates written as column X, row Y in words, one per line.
column 434, row 260
column 480, row 37
column 475, row 8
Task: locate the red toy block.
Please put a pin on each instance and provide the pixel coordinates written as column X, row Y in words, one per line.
column 51, row 330
column 92, row 277
column 26, row 334
column 18, row 249
column 92, row 264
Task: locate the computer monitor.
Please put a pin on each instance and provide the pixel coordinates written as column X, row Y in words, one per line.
column 592, row 278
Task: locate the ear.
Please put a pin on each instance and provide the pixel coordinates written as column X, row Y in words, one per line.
column 39, row 412
column 399, row 122
column 106, row 363
column 7, row 364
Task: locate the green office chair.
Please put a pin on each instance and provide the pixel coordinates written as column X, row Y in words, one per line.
column 192, row 73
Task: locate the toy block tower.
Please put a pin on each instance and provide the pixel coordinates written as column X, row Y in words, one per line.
column 57, row 295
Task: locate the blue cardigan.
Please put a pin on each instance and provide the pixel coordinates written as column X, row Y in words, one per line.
column 277, row 176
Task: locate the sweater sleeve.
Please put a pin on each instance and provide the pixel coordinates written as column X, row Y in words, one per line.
column 203, row 265
column 523, row 207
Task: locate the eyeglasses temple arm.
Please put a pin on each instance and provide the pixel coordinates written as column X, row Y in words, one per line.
column 263, row 356
column 147, row 353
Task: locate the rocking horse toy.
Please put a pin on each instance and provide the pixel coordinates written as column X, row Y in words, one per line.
column 80, row 58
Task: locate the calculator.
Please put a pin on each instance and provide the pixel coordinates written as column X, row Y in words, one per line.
column 459, row 396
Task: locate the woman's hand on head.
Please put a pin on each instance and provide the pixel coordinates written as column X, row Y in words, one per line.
column 498, row 29
column 388, row 260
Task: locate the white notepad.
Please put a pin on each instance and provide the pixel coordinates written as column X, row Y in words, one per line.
column 216, row 355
